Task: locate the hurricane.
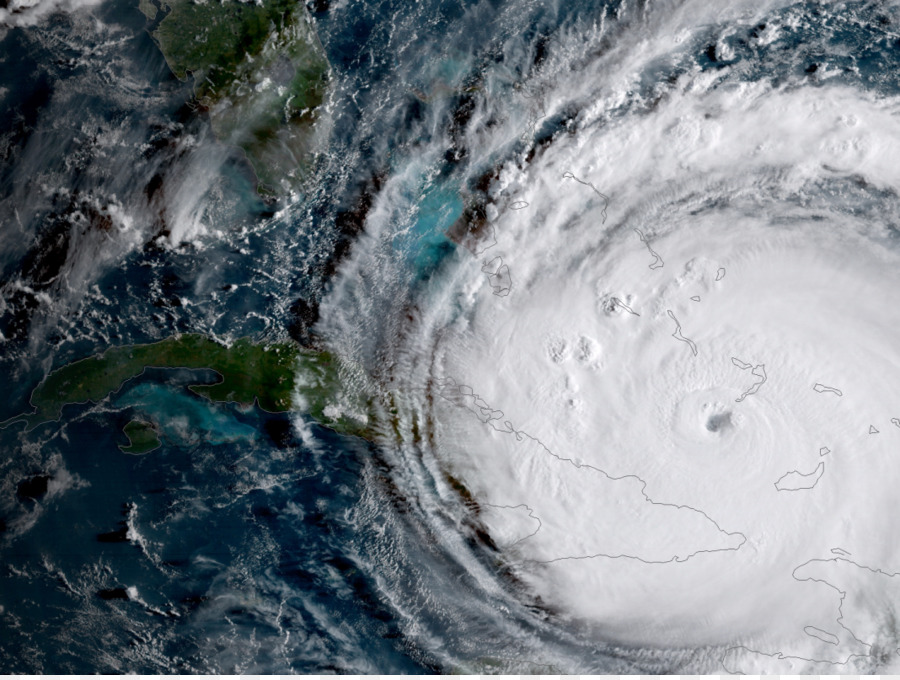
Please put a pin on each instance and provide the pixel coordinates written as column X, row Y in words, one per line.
column 660, row 366
column 610, row 292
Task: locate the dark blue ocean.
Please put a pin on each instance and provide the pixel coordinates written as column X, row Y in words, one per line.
column 252, row 542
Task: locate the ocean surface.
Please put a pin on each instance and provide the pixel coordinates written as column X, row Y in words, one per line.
column 754, row 138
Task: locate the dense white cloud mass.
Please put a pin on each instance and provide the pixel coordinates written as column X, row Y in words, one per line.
column 677, row 413
column 651, row 460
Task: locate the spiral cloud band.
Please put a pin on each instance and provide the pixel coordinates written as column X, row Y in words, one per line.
column 670, row 385
column 632, row 453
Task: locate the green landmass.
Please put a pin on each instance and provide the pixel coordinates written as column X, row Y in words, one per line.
column 277, row 376
column 142, row 437
column 333, row 395
column 260, row 70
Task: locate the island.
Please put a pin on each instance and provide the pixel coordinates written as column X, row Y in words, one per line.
column 798, row 481
column 277, row 377
column 259, row 70
column 142, row 437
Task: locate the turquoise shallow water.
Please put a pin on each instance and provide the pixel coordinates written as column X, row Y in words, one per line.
column 182, row 417
column 252, row 542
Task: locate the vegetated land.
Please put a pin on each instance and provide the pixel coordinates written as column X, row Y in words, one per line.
column 142, row 437
column 250, row 373
column 260, row 70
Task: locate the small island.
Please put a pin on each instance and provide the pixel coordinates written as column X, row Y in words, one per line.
column 142, row 437
column 277, row 377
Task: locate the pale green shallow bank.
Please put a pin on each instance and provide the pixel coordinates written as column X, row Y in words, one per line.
column 278, row 377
